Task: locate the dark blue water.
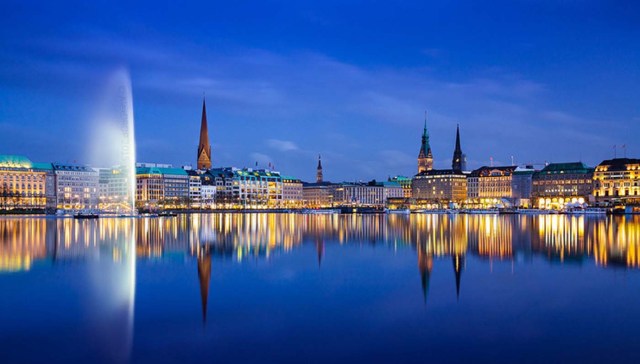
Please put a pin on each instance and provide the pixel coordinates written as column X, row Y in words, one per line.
column 265, row 288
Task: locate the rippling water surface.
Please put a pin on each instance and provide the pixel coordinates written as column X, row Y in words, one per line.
column 320, row 288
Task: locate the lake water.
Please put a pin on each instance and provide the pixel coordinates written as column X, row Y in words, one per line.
column 273, row 288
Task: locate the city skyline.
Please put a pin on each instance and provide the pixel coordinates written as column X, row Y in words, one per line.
column 523, row 85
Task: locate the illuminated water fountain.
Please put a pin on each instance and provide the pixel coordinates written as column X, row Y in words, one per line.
column 114, row 145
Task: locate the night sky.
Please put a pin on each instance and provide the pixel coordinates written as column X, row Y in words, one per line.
column 285, row 81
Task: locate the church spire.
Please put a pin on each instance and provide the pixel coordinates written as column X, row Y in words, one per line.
column 457, row 162
column 204, row 148
column 319, row 170
column 425, row 158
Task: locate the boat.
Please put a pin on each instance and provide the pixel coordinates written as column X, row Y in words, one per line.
column 167, row 214
column 437, row 211
column 321, row 211
column 587, row 211
column 86, row 215
column 398, row 211
column 482, row 211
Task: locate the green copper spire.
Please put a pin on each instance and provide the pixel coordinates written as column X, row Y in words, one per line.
column 425, row 158
column 425, row 136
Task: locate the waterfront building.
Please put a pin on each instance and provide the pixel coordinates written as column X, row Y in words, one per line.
column 246, row 188
column 521, row 185
column 161, row 186
column 405, row 183
column 204, row 148
column 439, row 187
column 207, row 195
column 617, row 181
column 112, row 190
column 291, row 192
column 425, row 157
column 558, row 184
column 76, row 188
column 317, row 195
column 195, row 187
column 359, row 194
column 490, row 186
column 23, row 184
column 369, row 194
column 391, row 190
column 442, row 186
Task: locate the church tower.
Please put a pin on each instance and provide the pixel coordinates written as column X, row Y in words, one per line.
column 425, row 158
column 204, row 148
column 457, row 164
column 319, row 171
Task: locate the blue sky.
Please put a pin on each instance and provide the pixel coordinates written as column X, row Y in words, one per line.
column 288, row 80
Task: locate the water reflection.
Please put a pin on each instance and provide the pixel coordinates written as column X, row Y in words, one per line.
column 606, row 241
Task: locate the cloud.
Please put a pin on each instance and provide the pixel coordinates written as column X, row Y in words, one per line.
column 370, row 116
column 282, row 145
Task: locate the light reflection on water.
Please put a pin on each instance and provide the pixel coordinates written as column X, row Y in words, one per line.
column 612, row 240
column 104, row 253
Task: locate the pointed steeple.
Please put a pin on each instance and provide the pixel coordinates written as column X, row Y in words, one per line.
column 204, row 277
column 204, row 148
column 457, row 162
column 319, row 177
column 425, row 158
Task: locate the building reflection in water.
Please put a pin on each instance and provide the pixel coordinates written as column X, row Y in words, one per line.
column 607, row 241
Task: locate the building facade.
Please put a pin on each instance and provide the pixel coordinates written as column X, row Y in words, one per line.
column 291, row 192
column 246, row 188
column 195, row 188
column 112, row 190
column 521, row 186
column 359, row 194
column 617, row 181
column 405, row 183
column 23, row 184
column 558, row 184
column 440, row 187
column 161, row 186
column 76, row 188
column 490, row 186
column 318, row 195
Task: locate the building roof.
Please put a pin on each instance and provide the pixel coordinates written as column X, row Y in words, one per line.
column 440, row 172
column 617, row 164
column 524, row 170
column 15, row 161
column 571, row 167
column 162, row 171
column 290, row 178
column 72, row 167
column 486, row 171
column 43, row 166
column 316, row 184
column 400, row 179
column 229, row 172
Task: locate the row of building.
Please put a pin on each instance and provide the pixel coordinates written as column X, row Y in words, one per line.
column 25, row 185
column 50, row 187
column 555, row 186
